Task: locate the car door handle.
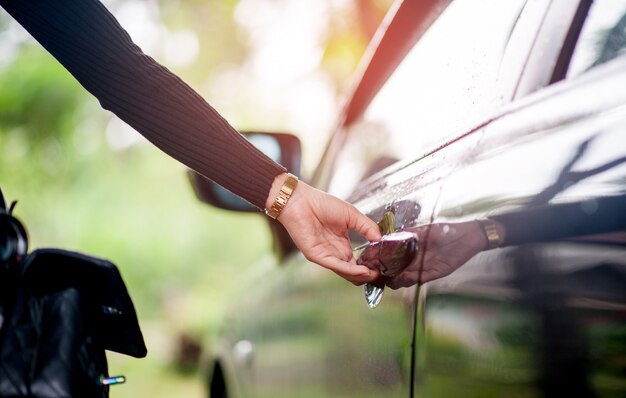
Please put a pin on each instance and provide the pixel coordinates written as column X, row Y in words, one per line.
column 390, row 256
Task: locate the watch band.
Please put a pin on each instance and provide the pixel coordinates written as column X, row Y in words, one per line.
column 494, row 239
column 283, row 196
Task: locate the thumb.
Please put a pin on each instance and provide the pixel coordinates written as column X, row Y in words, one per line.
column 363, row 224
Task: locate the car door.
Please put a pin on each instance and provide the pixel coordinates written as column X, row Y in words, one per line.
column 547, row 318
column 375, row 166
column 302, row 331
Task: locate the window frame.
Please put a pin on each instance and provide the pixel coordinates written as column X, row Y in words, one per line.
column 533, row 42
column 403, row 26
column 541, row 45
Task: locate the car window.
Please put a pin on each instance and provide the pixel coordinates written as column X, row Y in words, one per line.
column 603, row 36
column 446, row 83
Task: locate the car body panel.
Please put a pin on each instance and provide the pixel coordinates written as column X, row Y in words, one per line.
column 465, row 342
column 480, row 332
column 544, row 319
column 536, row 320
column 304, row 345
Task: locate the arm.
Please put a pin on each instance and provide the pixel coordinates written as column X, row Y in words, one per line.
column 87, row 40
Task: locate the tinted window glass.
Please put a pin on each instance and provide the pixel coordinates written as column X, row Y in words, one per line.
column 446, row 84
column 602, row 38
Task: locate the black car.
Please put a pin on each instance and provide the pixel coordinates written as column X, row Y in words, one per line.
column 462, row 110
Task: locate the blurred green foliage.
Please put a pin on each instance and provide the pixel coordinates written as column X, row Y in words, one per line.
column 38, row 98
column 134, row 207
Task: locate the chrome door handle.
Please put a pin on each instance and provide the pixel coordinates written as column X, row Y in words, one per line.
column 390, row 255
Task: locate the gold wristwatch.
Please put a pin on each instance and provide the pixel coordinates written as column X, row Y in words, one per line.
column 283, row 196
column 494, row 239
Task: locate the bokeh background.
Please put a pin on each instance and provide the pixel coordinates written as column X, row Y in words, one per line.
column 87, row 182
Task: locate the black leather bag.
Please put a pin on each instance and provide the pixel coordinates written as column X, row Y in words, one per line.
column 59, row 312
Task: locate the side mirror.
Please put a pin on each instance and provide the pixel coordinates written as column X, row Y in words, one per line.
column 282, row 148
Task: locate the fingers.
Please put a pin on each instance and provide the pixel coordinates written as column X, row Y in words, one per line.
column 357, row 274
column 318, row 224
column 363, row 224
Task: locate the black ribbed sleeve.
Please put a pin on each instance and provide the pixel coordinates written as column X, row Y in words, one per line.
column 89, row 42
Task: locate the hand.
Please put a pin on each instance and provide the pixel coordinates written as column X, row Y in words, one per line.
column 318, row 223
column 443, row 248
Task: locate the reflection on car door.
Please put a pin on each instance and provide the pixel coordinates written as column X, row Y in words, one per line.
column 546, row 319
column 314, row 336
